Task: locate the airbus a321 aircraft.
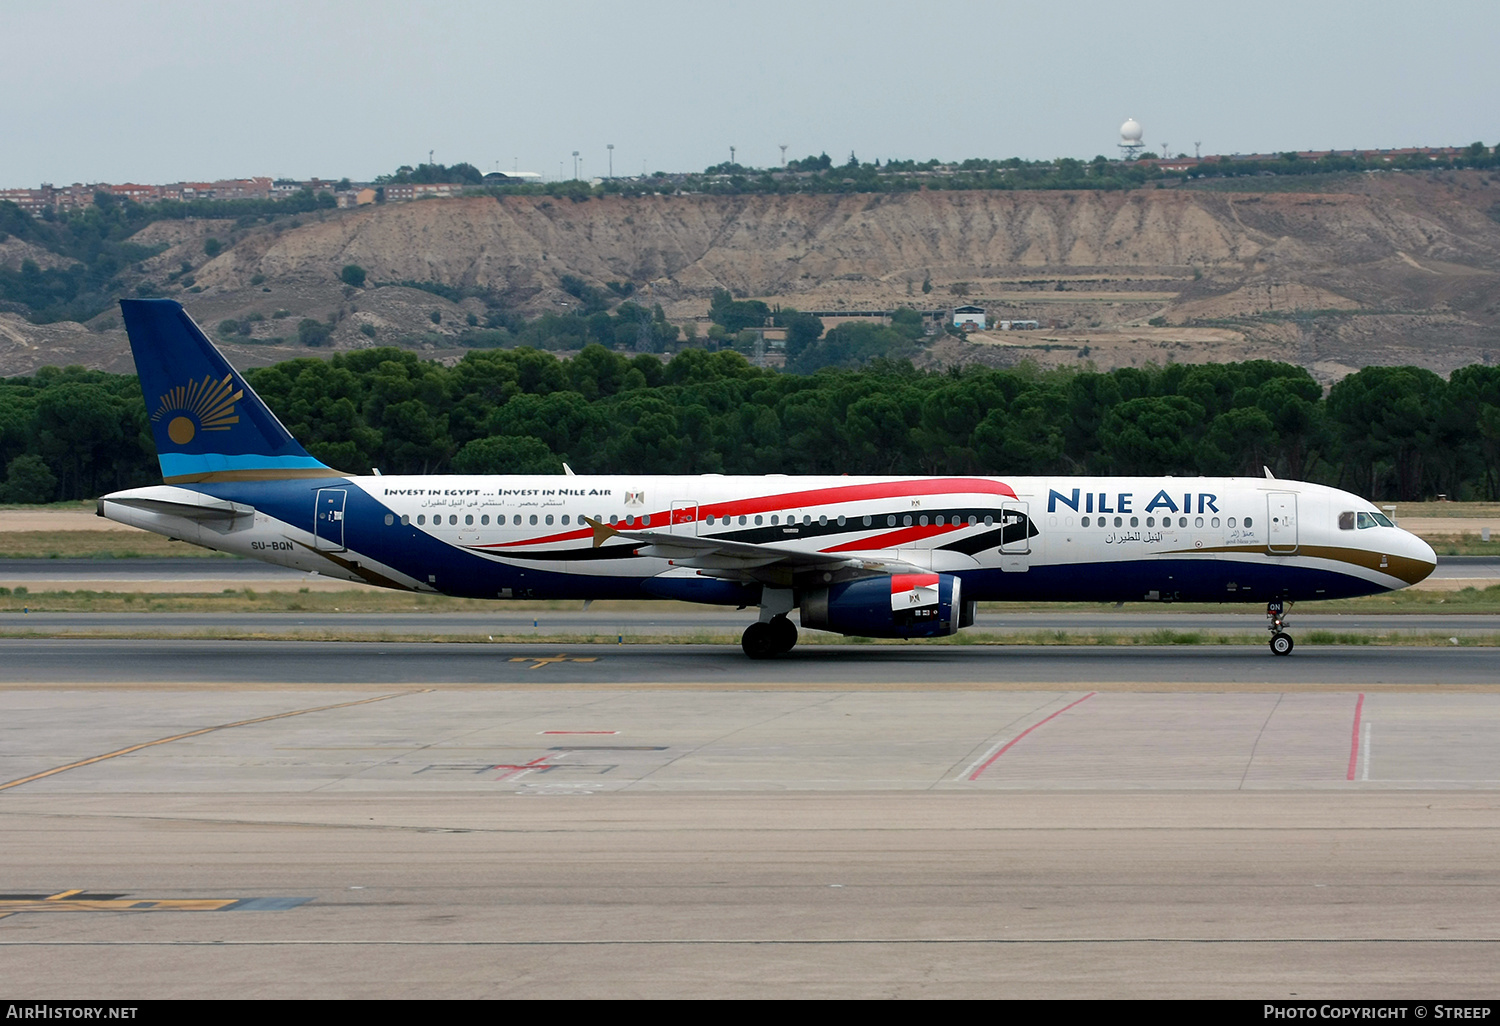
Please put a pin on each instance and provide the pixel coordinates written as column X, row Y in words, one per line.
column 883, row 557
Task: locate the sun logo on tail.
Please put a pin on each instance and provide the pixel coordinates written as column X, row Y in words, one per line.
column 206, row 405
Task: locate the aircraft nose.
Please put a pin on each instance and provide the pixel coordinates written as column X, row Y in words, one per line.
column 1424, row 560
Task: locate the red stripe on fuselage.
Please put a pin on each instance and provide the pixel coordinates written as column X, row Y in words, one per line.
column 893, row 539
column 812, row 497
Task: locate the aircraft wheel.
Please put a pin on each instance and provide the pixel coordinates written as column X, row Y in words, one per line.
column 1281, row 644
column 759, row 641
column 783, row 634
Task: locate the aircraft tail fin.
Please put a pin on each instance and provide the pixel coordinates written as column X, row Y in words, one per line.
column 209, row 425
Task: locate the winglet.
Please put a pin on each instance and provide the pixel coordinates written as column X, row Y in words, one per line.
column 602, row 531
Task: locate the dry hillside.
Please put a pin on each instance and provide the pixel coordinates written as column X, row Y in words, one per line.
column 1392, row 268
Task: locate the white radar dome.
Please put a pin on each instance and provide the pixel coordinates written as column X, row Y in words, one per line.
column 1130, row 131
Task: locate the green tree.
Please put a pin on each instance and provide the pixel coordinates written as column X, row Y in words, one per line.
column 311, row 332
column 212, row 246
column 354, row 275
column 734, row 315
column 28, row 479
column 506, row 454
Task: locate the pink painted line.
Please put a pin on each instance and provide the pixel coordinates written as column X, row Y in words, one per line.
column 579, row 732
column 533, row 764
column 1011, row 743
column 1359, row 707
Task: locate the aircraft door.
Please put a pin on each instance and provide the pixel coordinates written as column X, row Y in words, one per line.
column 684, row 517
column 1015, row 540
column 1281, row 523
column 328, row 521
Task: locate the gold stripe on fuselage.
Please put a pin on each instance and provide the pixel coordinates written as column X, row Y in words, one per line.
column 1404, row 568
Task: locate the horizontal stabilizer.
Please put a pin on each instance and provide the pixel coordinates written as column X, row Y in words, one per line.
column 178, row 502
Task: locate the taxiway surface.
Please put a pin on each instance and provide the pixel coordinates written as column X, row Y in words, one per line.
column 373, row 820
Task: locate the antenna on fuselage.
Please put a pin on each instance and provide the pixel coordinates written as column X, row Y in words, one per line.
column 1269, row 476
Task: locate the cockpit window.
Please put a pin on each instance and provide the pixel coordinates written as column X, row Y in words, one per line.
column 1346, row 520
column 1383, row 520
column 1374, row 520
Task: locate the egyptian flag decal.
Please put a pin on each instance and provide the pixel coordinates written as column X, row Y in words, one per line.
column 909, row 591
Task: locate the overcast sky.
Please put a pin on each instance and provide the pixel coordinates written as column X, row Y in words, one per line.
column 164, row 90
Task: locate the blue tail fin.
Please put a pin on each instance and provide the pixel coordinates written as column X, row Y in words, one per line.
column 208, row 424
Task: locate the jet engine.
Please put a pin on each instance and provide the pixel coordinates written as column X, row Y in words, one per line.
column 890, row 606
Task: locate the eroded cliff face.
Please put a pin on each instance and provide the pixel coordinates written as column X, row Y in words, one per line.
column 1394, row 268
column 769, row 245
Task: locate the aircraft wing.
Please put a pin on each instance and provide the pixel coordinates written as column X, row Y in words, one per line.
column 723, row 558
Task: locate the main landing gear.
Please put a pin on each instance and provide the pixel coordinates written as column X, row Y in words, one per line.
column 774, row 637
column 1281, row 642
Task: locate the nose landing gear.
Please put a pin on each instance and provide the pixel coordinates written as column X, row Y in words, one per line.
column 774, row 637
column 1281, row 642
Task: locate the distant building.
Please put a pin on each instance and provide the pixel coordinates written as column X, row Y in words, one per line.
column 356, row 197
column 403, row 192
column 968, row 318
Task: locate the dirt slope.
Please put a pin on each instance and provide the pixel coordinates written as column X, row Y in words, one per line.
column 1395, row 268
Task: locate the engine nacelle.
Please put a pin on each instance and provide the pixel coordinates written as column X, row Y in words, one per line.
column 893, row 606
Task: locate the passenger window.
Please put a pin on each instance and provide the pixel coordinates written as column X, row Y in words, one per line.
column 923, row 521
column 549, row 519
column 1346, row 520
column 1247, row 521
column 989, row 521
column 890, row 521
column 1150, row 521
column 452, row 519
column 1197, row 521
column 646, row 520
column 405, row 520
column 775, row 519
column 906, row 520
column 757, row 520
column 565, row 520
column 390, row 518
column 868, row 521
column 1119, row 521
column 973, row 520
column 1214, row 522
column 469, row 520
column 1085, row 521
column 1182, row 521
column 841, row 520
column 1135, row 521
column 742, row 521
column 485, row 520
column 533, row 520
column 806, row 520
column 613, row 520
column 421, row 519
column 516, row 520
column 940, row 521
column 1231, row 521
